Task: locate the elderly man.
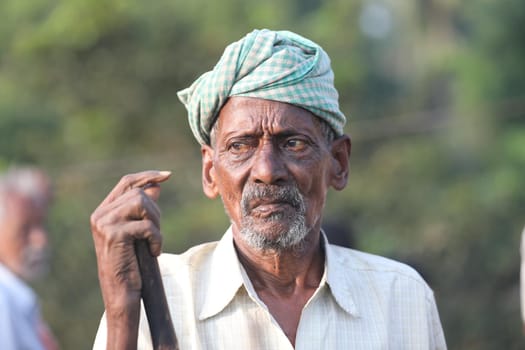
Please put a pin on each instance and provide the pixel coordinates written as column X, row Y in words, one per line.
column 272, row 141
column 24, row 198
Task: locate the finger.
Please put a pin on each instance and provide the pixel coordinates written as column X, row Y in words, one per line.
column 105, row 221
column 136, row 180
column 132, row 205
column 152, row 190
column 147, row 230
column 142, row 207
column 131, row 231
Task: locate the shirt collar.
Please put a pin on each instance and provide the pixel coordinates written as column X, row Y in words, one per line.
column 224, row 280
column 220, row 291
column 337, row 276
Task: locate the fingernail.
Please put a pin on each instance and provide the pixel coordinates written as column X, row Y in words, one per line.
column 165, row 172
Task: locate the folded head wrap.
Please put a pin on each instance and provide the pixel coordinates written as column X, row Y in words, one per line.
column 274, row 65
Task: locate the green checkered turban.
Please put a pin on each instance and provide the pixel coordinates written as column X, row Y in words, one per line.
column 273, row 65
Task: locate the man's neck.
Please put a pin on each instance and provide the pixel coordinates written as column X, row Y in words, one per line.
column 282, row 273
column 285, row 281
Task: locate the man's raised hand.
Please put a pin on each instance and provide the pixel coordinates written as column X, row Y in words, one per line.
column 127, row 214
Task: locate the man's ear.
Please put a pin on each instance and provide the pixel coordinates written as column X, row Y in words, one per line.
column 340, row 151
column 209, row 184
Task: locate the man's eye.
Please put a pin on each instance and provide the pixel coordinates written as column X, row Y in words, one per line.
column 238, row 147
column 295, row 144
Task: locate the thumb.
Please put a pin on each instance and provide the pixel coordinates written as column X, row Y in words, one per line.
column 152, row 190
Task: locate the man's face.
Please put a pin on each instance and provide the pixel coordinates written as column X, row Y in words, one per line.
column 272, row 167
column 24, row 240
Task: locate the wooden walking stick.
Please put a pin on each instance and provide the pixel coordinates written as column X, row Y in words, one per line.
column 154, row 299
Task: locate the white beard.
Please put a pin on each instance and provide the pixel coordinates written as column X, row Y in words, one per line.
column 290, row 230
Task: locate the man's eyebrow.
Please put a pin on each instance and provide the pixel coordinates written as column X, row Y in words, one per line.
column 291, row 131
column 240, row 133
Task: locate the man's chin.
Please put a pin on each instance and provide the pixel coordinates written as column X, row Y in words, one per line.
column 273, row 236
column 269, row 228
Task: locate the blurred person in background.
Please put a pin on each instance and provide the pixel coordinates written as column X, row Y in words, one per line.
column 25, row 195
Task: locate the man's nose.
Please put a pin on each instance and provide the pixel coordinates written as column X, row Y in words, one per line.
column 268, row 165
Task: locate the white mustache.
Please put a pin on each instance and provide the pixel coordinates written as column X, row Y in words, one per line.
column 284, row 194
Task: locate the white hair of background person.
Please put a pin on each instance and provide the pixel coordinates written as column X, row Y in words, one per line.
column 23, row 181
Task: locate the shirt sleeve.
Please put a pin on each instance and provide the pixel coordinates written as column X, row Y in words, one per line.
column 436, row 336
column 101, row 336
column 7, row 333
column 144, row 337
column 18, row 328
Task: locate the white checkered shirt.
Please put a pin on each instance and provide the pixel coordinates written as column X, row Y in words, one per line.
column 363, row 302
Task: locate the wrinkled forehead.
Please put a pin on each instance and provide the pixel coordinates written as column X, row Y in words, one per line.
column 248, row 114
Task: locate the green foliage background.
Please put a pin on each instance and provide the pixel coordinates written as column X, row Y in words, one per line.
column 434, row 91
